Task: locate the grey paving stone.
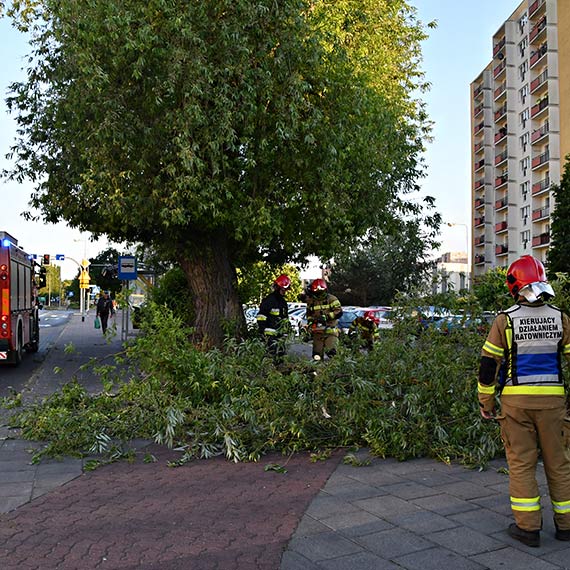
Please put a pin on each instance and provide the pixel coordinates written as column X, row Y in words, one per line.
column 410, row 490
column 353, row 490
column 17, row 476
column 308, row 526
column 16, row 489
column 437, row 559
column 560, row 558
column 432, row 478
column 358, row 523
column 324, row 546
column 386, row 506
column 325, row 505
column 422, row 522
column 499, row 503
column 360, row 561
column 444, row 504
column 371, row 476
column 393, row 543
column 8, row 504
column 483, row 520
column 465, row 541
column 512, row 558
column 466, row 490
column 294, row 561
column 488, row 477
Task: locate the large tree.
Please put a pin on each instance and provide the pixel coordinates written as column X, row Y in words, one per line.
column 559, row 252
column 383, row 265
column 223, row 131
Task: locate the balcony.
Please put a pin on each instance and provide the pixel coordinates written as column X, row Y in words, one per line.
column 539, row 81
column 502, row 203
column 501, row 180
column 479, row 202
column 479, row 127
column 478, row 183
column 479, row 164
column 541, row 240
column 478, row 146
column 537, row 29
column 479, row 221
column 535, row 110
column 540, row 133
column 501, row 249
column 500, row 134
column 479, row 240
column 498, row 71
column 478, row 109
column 535, row 8
column 479, row 259
column 542, row 186
column 501, row 112
column 500, row 90
column 497, row 47
column 540, row 213
column 477, row 91
column 541, row 159
column 537, row 55
column 501, row 227
column 501, row 157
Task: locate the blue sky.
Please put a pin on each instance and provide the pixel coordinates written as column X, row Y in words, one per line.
column 455, row 53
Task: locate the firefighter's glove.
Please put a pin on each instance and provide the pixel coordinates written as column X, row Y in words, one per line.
column 488, row 415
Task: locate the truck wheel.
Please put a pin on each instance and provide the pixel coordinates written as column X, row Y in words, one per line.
column 19, row 352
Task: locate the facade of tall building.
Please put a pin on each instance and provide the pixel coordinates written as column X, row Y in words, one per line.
column 520, row 134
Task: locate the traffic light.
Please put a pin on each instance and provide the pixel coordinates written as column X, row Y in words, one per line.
column 46, row 259
column 42, row 278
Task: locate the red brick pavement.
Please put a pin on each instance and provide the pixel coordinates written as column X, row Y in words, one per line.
column 206, row 515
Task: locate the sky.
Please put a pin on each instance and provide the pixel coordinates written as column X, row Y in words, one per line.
column 455, row 53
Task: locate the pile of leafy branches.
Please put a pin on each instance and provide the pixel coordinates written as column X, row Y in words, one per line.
column 413, row 395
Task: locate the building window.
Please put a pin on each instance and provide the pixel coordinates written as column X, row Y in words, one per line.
column 523, row 93
column 523, row 44
column 523, row 68
column 525, row 213
column 525, row 165
column 524, row 141
column 525, row 186
column 524, row 117
column 522, row 23
column 525, row 238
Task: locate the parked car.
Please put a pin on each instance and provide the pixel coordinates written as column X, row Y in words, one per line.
column 383, row 314
column 251, row 316
column 298, row 319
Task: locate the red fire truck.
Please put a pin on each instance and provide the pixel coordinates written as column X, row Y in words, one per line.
column 19, row 319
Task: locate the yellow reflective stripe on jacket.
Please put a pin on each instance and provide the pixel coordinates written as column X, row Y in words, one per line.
column 522, row 390
column 518, row 504
column 274, row 312
column 483, row 389
column 261, row 317
column 566, row 349
column 493, row 349
column 562, row 507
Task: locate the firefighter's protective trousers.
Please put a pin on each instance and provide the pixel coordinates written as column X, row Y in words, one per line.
column 529, row 341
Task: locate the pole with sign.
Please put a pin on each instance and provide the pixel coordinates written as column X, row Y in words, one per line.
column 84, row 279
column 127, row 271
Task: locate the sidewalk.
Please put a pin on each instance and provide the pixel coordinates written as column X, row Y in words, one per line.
column 215, row 515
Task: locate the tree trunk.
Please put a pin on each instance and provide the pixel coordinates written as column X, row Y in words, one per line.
column 212, row 280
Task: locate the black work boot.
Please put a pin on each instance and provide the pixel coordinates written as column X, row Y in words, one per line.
column 528, row 537
column 562, row 534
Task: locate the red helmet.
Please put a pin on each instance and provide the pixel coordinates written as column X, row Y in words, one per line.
column 371, row 316
column 319, row 286
column 523, row 272
column 283, row 282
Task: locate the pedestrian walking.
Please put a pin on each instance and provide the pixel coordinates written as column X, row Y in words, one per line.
column 273, row 318
column 323, row 312
column 104, row 309
column 521, row 362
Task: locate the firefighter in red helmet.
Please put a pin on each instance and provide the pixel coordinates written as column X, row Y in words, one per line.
column 323, row 312
column 521, row 362
column 273, row 318
column 365, row 327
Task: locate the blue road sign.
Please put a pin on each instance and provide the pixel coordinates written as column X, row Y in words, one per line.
column 59, row 256
column 127, row 267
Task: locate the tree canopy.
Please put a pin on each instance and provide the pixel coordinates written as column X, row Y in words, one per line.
column 559, row 251
column 223, row 132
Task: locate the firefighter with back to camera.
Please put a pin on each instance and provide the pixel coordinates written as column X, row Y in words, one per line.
column 273, row 318
column 521, row 362
column 323, row 312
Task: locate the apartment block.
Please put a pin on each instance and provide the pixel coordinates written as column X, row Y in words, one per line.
column 520, row 134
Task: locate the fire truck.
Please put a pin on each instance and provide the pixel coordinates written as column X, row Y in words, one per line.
column 19, row 318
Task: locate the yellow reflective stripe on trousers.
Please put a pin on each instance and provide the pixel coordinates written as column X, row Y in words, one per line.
column 482, row 389
column 493, row 349
column 518, row 504
column 562, row 508
column 521, row 390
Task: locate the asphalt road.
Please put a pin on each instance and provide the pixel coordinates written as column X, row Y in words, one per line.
column 52, row 324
